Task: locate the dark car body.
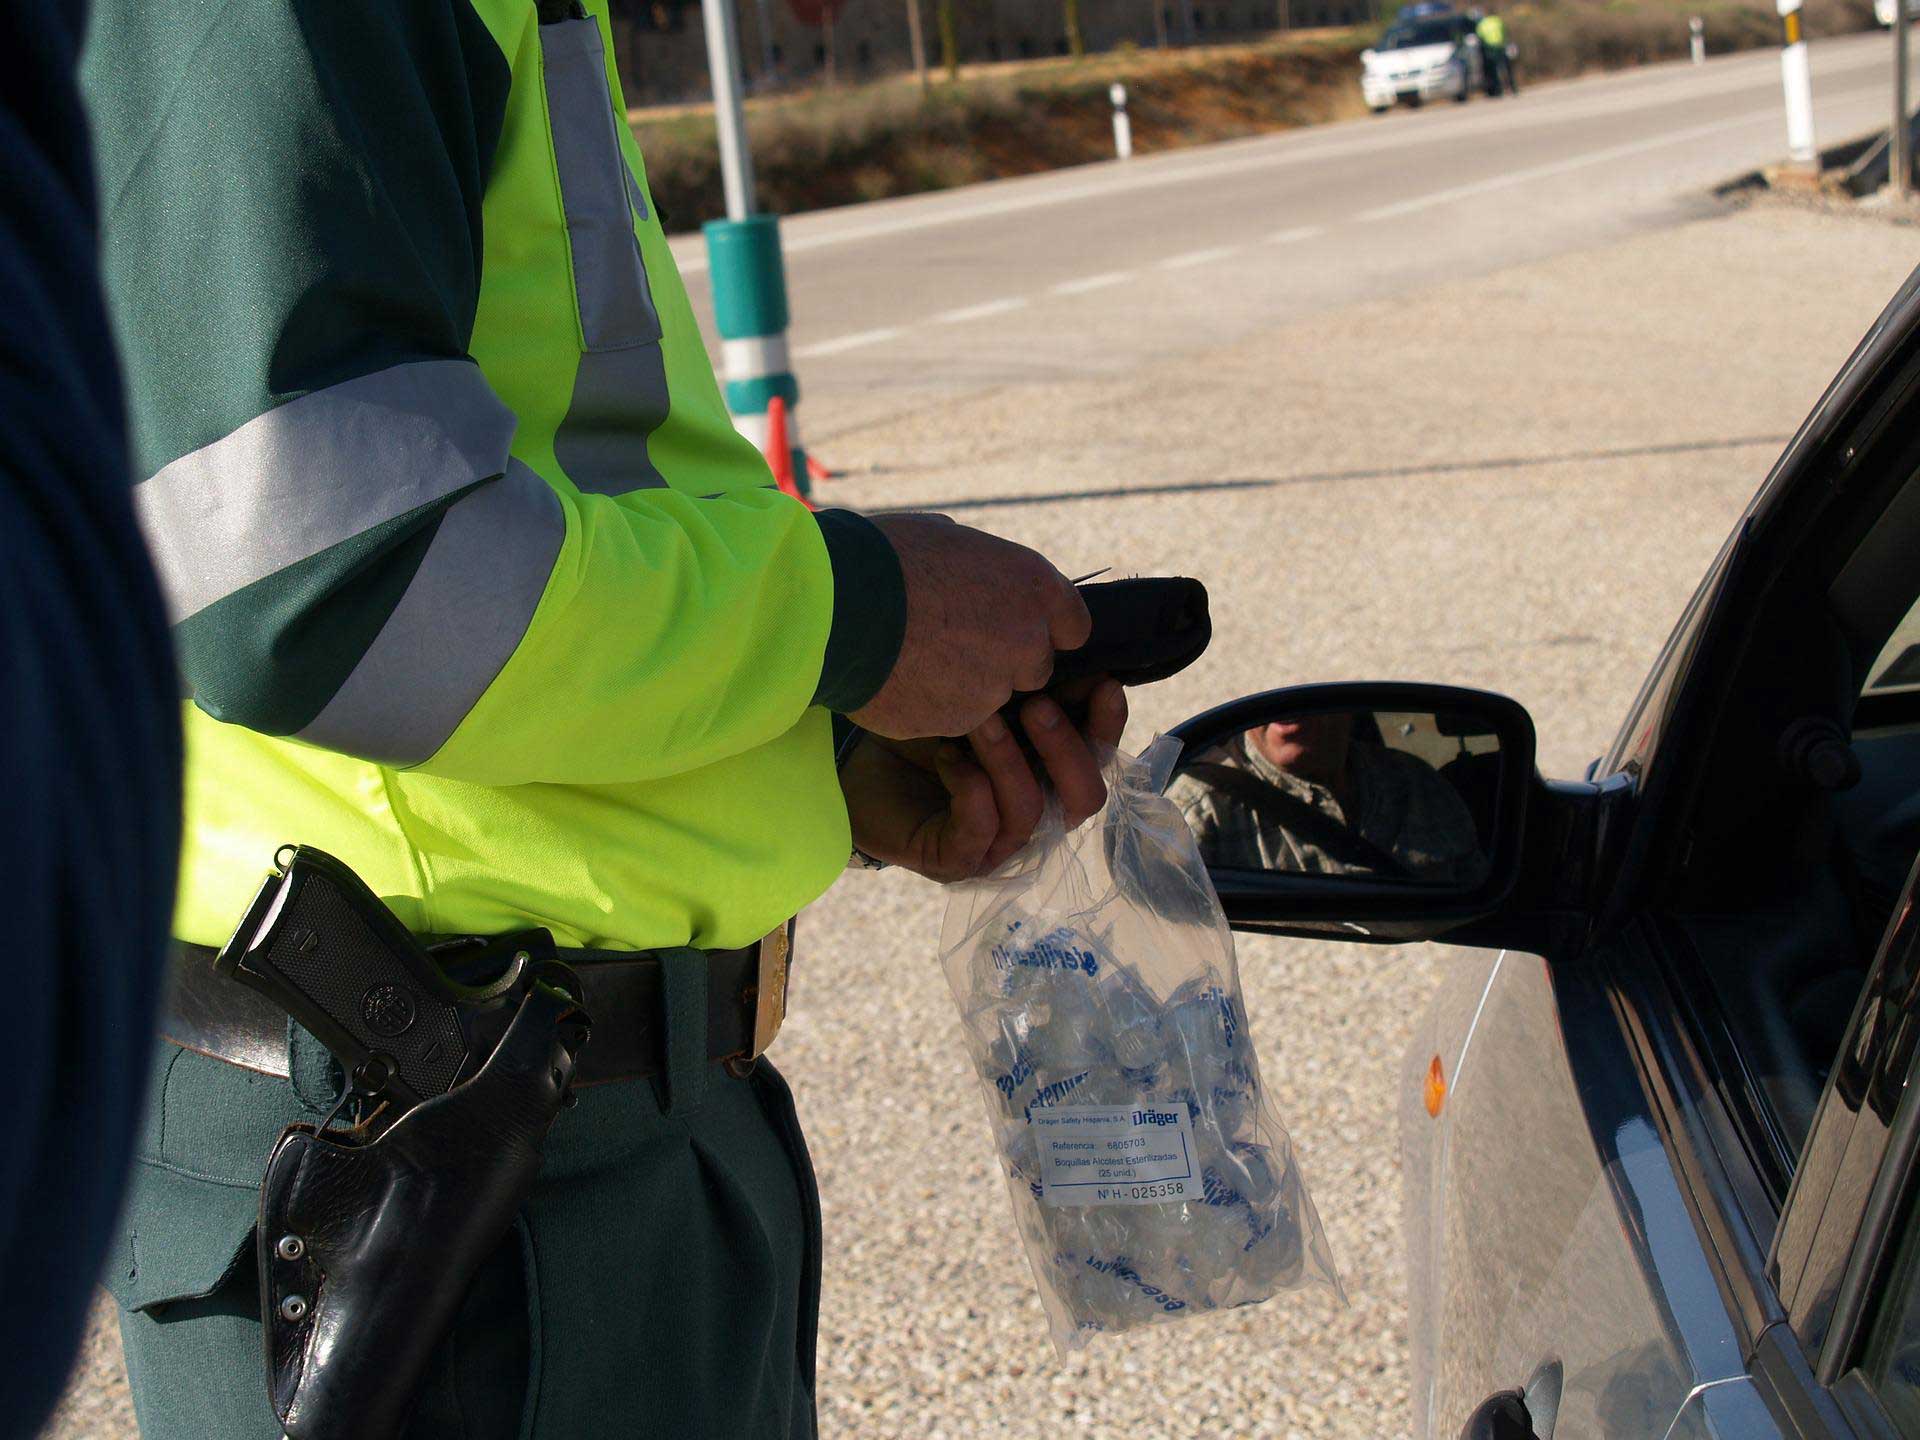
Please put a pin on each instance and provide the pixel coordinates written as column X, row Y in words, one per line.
column 1666, row 1184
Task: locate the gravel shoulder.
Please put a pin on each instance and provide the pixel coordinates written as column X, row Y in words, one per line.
column 1511, row 481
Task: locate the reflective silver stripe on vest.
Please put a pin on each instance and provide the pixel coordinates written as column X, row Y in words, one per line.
column 620, row 395
column 315, row 471
column 461, row 618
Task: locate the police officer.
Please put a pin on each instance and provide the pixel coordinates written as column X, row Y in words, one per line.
column 1494, row 57
column 476, row 588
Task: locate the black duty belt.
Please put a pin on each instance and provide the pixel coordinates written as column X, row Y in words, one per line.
column 746, row 1001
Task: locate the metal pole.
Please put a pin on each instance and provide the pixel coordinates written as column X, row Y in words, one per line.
column 767, row 64
column 949, row 40
column 916, row 37
column 1901, row 154
column 723, row 59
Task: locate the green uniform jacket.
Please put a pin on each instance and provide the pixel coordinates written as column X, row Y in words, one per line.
column 473, row 582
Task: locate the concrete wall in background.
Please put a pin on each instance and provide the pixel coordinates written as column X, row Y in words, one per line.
column 662, row 45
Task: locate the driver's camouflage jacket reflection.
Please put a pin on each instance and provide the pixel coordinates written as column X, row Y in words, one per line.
column 1400, row 818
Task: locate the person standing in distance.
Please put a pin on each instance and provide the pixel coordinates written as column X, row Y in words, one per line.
column 1494, row 54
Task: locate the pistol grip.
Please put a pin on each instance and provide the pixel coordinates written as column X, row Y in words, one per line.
column 324, row 947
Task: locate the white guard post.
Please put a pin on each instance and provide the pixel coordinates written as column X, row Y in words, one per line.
column 1796, row 75
column 1698, row 39
column 1122, row 125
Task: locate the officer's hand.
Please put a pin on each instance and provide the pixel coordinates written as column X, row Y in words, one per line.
column 984, row 617
column 950, row 811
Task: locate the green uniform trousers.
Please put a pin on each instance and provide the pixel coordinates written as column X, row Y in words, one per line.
column 663, row 1279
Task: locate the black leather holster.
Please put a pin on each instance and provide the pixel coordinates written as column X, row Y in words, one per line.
column 368, row 1245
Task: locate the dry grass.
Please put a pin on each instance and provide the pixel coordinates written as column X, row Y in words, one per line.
column 1572, row 38
column 840, row 147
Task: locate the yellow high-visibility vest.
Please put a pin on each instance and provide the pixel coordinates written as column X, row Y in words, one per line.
column 582, row 637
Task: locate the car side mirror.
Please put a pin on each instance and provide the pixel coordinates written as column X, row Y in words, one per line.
column 1500, row 1417
column 1366, row 57
column 1383, row 812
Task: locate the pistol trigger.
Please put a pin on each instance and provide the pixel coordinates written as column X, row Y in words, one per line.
column 349, row 1093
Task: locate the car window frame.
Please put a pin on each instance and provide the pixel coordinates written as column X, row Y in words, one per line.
column 1818, row 463
column 1842, row 473
column 1689, row 695
column 1855, row 1387
column 1822, row 567
column 1838, row 1242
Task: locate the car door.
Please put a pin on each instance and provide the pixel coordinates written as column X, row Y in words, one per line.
column 1731, row 942
column 1613, row 1127
column 1467, row 38
column 1722, row 959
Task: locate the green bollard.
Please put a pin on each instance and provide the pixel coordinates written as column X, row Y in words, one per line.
column 750, row 306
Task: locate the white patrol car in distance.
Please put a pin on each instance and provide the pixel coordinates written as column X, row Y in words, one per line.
column 1428, row 52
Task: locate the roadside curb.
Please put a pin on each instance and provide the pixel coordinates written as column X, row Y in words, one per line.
column 1833, row 176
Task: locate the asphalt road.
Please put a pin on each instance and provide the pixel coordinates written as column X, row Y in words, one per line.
column 1100, row 269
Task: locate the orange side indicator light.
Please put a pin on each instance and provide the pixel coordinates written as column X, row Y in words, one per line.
column 1435, row 1088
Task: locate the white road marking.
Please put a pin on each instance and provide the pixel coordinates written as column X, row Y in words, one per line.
column 979, row 312
column 1563, row 167
column 1198, row 257
column 1093, row 282
column 846, row 343
column 1298, row 233
column 1576, row 102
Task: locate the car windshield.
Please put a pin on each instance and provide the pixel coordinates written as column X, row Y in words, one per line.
column 1438, row 31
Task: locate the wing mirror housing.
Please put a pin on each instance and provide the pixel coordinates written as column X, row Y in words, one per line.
column 1380, row 812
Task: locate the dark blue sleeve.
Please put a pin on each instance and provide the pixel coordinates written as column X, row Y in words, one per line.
column 89, row 743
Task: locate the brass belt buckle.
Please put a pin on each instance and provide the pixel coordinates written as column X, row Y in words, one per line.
column 769, row 996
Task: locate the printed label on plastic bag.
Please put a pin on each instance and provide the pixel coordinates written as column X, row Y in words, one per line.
column 1115, row 1154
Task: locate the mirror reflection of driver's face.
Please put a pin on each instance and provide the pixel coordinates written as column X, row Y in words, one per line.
column 1313, row 747
column 1323, row 794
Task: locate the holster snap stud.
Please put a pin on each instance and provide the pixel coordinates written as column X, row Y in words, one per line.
column 291, row 1247
column 294, row 1308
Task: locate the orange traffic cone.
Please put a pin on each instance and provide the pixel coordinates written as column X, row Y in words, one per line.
column 780, row 452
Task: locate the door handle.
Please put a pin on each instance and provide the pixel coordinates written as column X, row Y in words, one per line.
column 1503, row 1416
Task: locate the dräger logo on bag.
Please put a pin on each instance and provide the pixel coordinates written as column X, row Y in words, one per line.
column 1054, row 951
column 1156, row 1117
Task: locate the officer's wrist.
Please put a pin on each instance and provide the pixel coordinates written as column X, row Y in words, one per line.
column 869, row 611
